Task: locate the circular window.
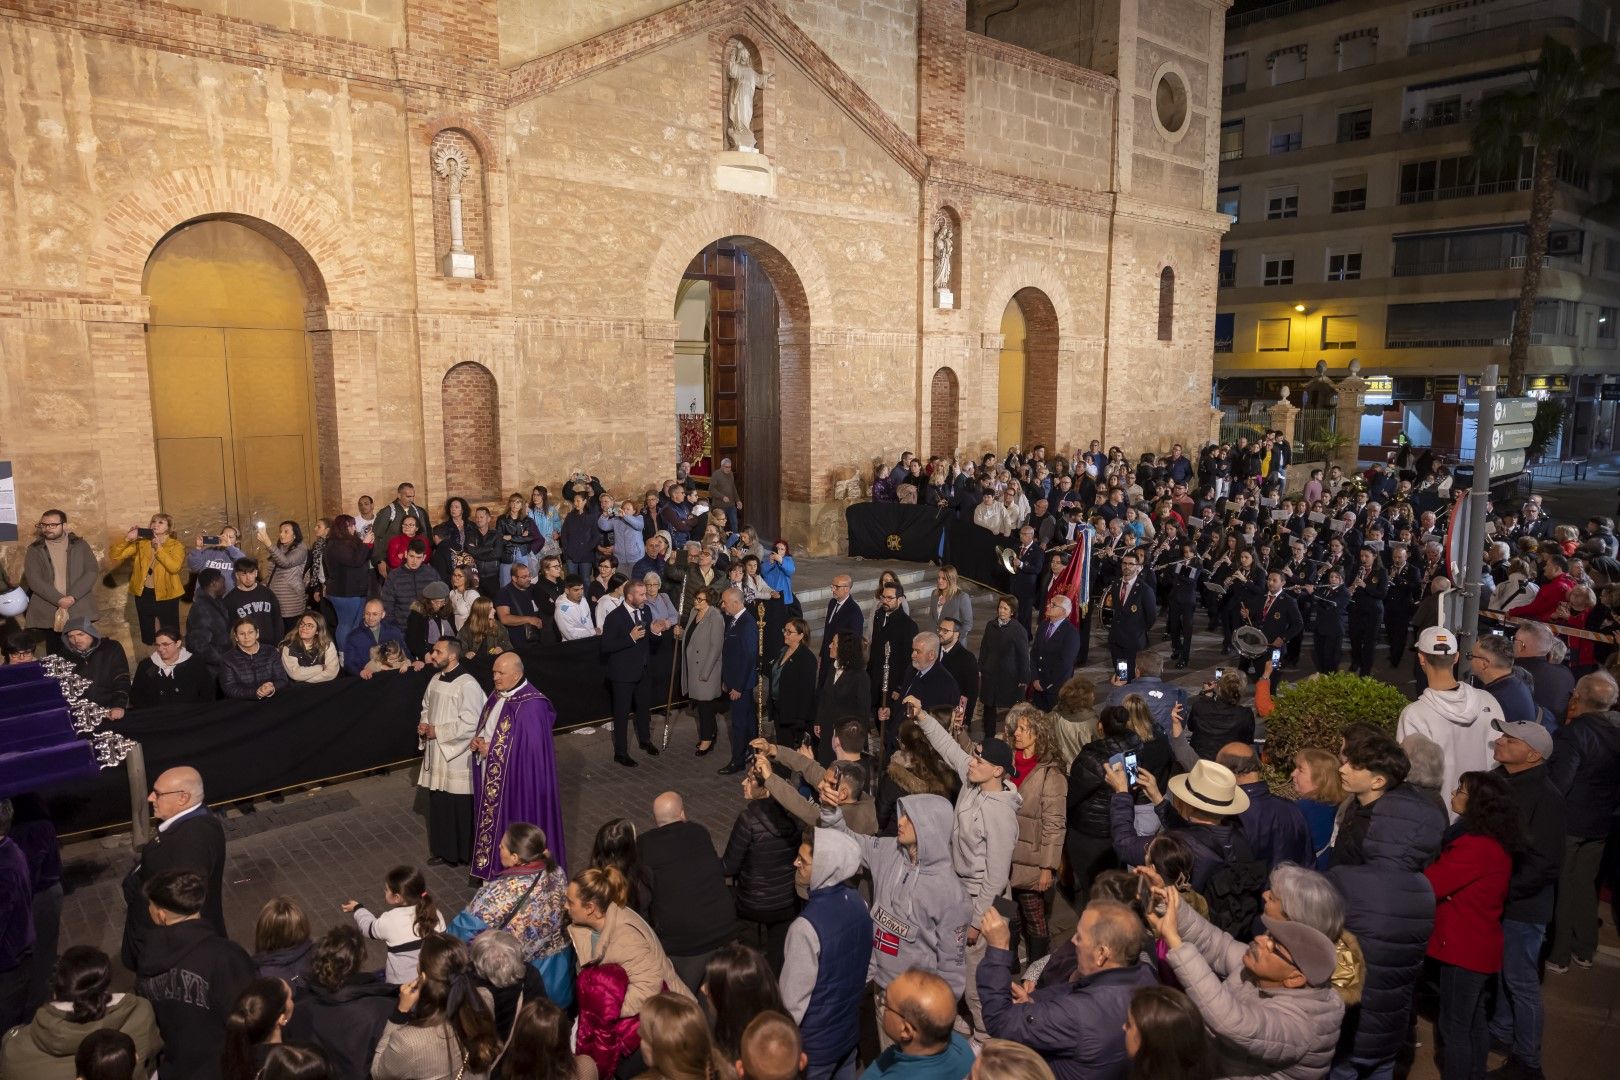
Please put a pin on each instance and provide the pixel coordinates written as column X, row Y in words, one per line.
column 1170, row 102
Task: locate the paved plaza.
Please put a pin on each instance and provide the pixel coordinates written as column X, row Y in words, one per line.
column 326, row 845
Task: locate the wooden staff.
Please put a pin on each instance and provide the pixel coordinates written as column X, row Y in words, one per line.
column 883, row 703
column 680, row 646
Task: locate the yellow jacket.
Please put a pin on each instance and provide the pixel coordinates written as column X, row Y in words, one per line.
column 165, row 561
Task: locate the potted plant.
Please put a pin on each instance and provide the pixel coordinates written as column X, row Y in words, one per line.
column 1313, row 712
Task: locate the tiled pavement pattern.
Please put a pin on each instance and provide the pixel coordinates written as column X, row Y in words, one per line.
column 328, row 845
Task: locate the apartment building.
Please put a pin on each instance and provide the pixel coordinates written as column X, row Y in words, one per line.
column 1363, row 229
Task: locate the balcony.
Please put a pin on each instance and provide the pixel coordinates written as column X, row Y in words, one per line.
column 1234, row 88
column 1534, row 14
column 1274, row 11
column 1446, row 343
column 1232, row 154
column 1463, row 191
column 1439, row 118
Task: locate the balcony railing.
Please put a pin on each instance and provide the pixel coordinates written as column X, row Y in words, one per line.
column 1235, row 88
column 1538, row 14
column 1231, row 155
column 1445, row 343
column 1441, row 119
column 1463, row 191
column 1225, row 279
column 1273, row 11
column 1416, row 267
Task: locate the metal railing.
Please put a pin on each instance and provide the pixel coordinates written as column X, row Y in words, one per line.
column 1274, row 11
column 1463, row 191
column 1235, row 88
column 1446, row 343
column 1439, row 120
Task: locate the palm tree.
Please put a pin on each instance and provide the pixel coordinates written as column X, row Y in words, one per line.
column 1571, row 108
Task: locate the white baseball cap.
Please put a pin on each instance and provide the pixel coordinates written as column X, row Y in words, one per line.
column 1437, row 641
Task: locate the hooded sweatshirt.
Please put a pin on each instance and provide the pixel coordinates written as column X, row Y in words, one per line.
column 44, row 1049
column 986, row 825
column 192, row 977
column 919, row 907
column 1459, row 722
column 823, row 995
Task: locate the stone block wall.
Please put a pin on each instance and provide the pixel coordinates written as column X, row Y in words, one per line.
column 875, row 41
column 365, row 22
column 1055, row 121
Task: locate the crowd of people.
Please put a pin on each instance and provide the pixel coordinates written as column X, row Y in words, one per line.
column 910, row 808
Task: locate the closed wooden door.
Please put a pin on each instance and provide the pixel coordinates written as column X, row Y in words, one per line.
column 230, row 379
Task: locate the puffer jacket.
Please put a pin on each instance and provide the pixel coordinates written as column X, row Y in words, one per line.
column 1089, row 794
column 986, row 825
column 165, row 561
column 759, row 858
column 1585, row 767
column 1041, row 818
column 1389, row 906
column 919, row 907
column 1275, row 1033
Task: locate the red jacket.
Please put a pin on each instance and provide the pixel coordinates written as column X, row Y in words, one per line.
column 1470, row 883
column 1552, row 594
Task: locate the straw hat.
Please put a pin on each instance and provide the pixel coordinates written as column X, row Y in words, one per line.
column 1212, row 788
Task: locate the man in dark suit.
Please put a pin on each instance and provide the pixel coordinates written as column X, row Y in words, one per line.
column 1406, row 592
column 1278, row 617
column 843, row 613
column 1028, row 561
column 927, row 685
column 629, row 637
column 1369, row 584
column 956, row 658
column 1135, row 609
column 189, row 837
column 739, row 673
column 1052, row 653
column 891, row 627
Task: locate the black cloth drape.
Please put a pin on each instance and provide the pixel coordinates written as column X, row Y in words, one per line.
column 972, row 550
column 309, row 733
column 882, row 530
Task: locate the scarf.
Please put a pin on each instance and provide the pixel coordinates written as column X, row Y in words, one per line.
column 58, row 551
column 306, row 654
column 168, row 669
column 1025, row 764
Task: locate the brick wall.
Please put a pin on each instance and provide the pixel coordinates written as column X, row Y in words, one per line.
column 531, row 28
column 944, row 402
column 472, row 441
column 942, row 76
column 875, row 41
column 467, row 30
column 1040, row 366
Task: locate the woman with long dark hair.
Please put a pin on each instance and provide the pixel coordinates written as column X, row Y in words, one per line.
column 1166, row 1038
column 263, row 1009
column 615, row 848
column 792, row 678
column 739, row 985
column 288, row 558
column 451, row 1030
column 845, row 693
column 285, row 1062
column 1470, row 882
column 540, row 1047
column 348, row 575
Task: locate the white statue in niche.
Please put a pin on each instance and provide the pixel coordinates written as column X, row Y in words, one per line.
column 944, row 248
column 743, row 81
column 451, row 163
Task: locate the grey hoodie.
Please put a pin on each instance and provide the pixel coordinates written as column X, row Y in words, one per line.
column 919, row 907
column 986, row 825
column 837, row 858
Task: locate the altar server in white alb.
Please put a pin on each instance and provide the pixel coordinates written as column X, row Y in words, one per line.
column 450, row 711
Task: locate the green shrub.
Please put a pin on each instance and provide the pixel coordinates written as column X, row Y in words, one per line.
column 1312, row 712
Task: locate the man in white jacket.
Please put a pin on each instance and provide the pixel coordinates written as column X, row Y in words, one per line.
column 450, row 711
column 1454, row 716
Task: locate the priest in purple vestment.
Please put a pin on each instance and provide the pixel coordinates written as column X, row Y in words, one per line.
column 516, row 770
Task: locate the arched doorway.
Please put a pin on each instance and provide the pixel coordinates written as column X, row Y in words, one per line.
column 743, row 350
column 231, row 383
column 1026, row 411
column 472, row 431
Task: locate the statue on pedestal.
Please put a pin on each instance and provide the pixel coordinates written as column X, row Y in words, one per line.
column 742, row 81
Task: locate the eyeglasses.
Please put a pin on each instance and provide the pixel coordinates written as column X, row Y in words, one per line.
column 51, row 524
column 156, row 794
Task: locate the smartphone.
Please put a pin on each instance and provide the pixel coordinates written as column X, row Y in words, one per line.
column 1219, row 672
column 144, row 534
column 1276, row 656
column 1122, row 667
column 1130, row 768
column 1006, row 907
column 211, row 541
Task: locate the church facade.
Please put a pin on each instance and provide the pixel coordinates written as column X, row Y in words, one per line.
column 265, row 256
